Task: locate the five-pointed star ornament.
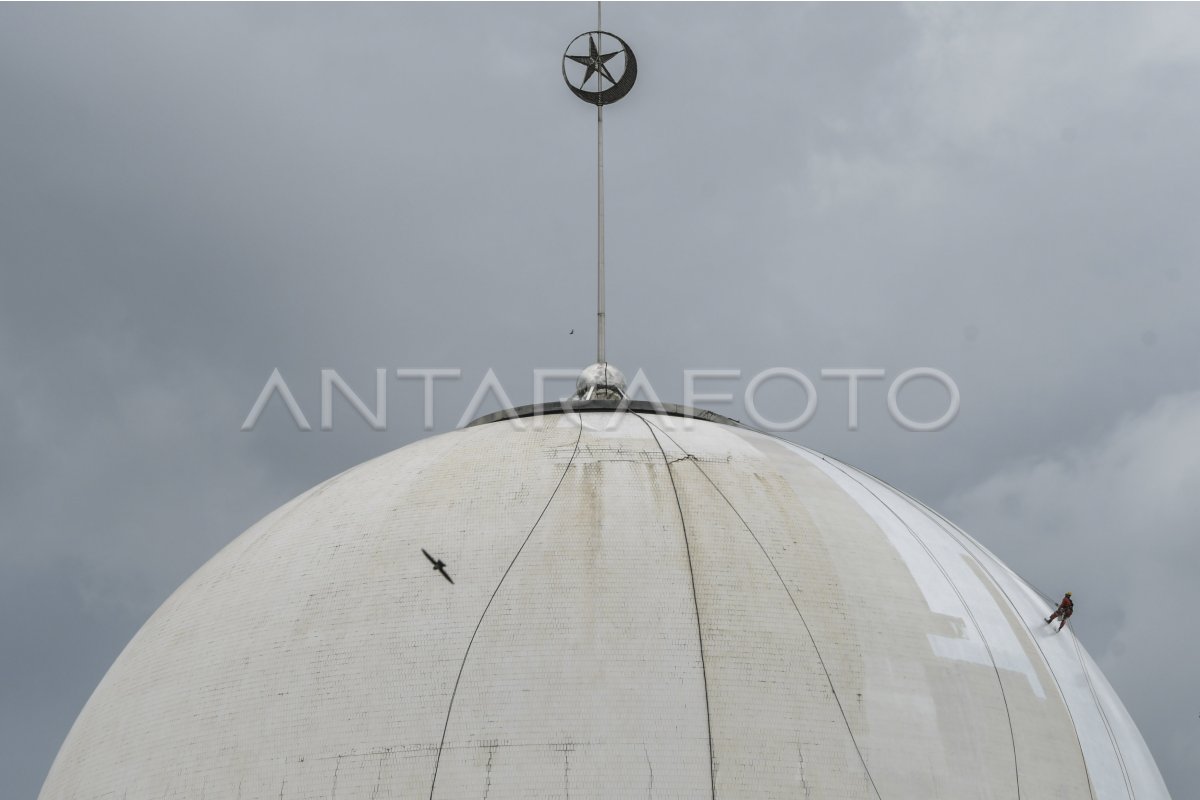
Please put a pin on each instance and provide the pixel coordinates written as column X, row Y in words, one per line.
column 595, row 61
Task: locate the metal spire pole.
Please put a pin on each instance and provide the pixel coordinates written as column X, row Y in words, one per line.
column 600, row 357
column 594, row 64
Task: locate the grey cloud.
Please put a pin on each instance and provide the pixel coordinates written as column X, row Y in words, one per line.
column 193, row 196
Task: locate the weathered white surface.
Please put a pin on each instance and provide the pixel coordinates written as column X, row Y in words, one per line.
column 642, row 607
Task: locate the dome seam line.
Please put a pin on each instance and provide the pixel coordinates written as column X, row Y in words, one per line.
column 812, row 639
column 1104, row 718
column 462, row 666
column 967, row 608
column 712, row 760
column 947, row 525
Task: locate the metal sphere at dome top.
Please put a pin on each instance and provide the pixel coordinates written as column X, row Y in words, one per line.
column 600, row 381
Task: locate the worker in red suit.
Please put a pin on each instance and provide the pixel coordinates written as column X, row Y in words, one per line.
column 1065, row 609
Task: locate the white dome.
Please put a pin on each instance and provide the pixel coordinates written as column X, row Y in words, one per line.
column 642, row 606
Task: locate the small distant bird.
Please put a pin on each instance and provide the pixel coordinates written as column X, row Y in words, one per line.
column 572, row 333
column 438, row 564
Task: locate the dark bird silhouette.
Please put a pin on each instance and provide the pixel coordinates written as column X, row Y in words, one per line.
column 572, row 333
column 438, row 564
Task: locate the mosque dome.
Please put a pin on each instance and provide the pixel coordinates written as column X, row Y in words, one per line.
column 631, row 604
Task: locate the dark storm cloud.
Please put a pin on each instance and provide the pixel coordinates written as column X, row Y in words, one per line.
column 191, row 197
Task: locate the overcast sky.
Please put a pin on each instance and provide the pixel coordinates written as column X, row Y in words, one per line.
column 191, row 197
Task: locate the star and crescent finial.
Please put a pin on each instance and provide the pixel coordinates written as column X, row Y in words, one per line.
column 597, row 63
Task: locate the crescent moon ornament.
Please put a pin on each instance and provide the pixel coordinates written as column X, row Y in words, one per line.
column 599, row 64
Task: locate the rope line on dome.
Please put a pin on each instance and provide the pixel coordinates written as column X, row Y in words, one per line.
column 454, row 692
column 712, row 760
column 966, row 607
column 812, row 639
column 1006, row 567
column 960, row 533
column 946, row 526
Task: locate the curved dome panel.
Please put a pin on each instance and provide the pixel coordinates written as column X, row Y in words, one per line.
column 641, row 606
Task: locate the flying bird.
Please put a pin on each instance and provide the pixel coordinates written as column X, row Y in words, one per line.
column 438, row 564
column 572, row 333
